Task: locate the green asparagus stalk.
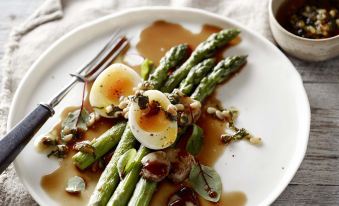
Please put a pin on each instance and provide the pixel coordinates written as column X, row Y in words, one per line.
column 109, row 179
column 172, row 58
column 196, row 74
column 101, row 146
column 144, row 192
column 126, row 187
column 204, row 50
column 220, row 72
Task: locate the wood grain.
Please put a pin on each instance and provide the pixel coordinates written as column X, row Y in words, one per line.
column 317, row 180
column 318, row 72
column 306, row 195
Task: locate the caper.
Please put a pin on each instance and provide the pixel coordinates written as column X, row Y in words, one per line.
column 311, row 29
column 301, row 24
column 314, row 21
column 333, row 12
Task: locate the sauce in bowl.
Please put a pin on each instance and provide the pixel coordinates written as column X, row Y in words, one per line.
column 312, row 19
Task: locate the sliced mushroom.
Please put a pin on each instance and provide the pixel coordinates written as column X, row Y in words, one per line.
column 181, row 164
column 156, row 166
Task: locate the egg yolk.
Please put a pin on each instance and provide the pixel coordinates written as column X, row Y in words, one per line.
column 171, row 136
column 117, row 84
column 153, row 123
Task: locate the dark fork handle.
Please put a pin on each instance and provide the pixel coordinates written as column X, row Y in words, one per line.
column 15, row 140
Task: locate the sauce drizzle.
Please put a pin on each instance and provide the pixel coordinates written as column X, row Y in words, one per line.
column 155, row 40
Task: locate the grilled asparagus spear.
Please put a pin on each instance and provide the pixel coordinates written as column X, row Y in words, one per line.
column 195, row 76
column 109, row 179
column 125, row 189
column 143, row 193
column 204, row 50
column 101, row 146
column 222, row 71
column 172, row 58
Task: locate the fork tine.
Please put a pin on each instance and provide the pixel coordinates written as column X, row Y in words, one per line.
column 110, row 51
column 111, row 54
column 106, row 63
column 113, row 40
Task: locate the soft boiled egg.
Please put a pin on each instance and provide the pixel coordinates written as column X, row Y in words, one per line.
column 115, row 81
column 155, row 130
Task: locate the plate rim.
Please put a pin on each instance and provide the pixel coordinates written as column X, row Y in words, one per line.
column 305, row 128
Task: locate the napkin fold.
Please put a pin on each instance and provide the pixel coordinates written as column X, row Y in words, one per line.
column 54, row 18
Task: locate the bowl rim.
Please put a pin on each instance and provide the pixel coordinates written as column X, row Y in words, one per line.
column 281, row 28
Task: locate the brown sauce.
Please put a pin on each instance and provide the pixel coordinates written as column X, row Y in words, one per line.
column 227, row 199
column 159, row 37
column 211, row 151
column 183, row 196
column 287, row 9
column 212, row 148
column 54, row 184
column 166, row 189
column 294, row 17
column 157, row 168
column 155, row 40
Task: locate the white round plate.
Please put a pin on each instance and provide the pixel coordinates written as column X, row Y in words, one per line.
column 268, row 92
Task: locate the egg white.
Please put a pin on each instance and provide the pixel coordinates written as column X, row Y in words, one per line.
column 153, row 139
column 109, row 79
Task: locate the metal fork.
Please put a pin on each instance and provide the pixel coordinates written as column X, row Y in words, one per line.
column 16, row 139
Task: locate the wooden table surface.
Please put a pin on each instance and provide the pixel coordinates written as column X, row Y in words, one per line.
column 317, row 180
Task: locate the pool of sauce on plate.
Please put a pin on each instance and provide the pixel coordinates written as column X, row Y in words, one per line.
column 154, row 41
column 227, row 199
column 54, row 184
column 159, row 37
column 213, row 129
column 211, row 151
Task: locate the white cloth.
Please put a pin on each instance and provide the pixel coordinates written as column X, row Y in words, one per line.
column 56, row 17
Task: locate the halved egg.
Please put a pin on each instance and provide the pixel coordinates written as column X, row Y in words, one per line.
column 155, row 131
column 115, row 81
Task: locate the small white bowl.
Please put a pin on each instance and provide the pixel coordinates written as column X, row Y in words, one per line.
column 303, row 48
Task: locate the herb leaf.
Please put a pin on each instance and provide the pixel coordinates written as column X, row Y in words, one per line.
column 83, row 119
column 143, row 101
column 206, row 182
column 195, row 141
column 126, row 162
column 146, row 68
column 73, row 123
column 75, row 185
